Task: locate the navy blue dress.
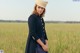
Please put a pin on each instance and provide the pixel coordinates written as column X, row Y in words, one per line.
column 37, row 31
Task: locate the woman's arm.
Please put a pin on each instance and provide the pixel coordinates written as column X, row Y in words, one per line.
column 45, row 48
column 32, row 27
column 46, row 42
column 40, row 42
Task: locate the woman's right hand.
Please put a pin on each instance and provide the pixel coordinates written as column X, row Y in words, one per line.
column 45, row 48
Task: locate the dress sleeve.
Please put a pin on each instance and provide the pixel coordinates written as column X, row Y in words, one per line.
column 32, row 27
column 46, row 36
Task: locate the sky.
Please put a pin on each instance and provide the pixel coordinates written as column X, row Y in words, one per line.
column 56, row 10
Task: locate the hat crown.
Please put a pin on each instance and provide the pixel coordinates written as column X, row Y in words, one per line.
column 41, row 3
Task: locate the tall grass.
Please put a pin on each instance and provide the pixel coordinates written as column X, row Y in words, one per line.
column 62, row 38
column 13, row 37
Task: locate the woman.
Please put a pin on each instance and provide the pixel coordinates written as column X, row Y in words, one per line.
column 37, row 39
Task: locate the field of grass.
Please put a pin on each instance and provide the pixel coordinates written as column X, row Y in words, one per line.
column 63, row 37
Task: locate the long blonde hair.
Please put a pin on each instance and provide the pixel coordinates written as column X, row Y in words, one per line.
column 35, row 11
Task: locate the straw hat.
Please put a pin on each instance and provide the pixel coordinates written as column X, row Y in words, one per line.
column 41, row 3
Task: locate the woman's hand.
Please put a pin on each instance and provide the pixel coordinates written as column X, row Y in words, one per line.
column 45, row 48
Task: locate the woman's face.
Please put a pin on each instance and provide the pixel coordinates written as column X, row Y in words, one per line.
column 39, row 10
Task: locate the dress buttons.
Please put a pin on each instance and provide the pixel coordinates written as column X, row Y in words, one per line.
column 41, row 18
column 43, row 30
column 43, row 27
column 42, row 23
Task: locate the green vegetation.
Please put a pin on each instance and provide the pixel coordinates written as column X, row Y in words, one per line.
column 63, row 37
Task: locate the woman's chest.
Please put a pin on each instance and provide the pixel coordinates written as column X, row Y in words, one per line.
column 40, row 23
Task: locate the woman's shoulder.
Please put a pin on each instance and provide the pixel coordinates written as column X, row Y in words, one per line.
column 32, row 17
